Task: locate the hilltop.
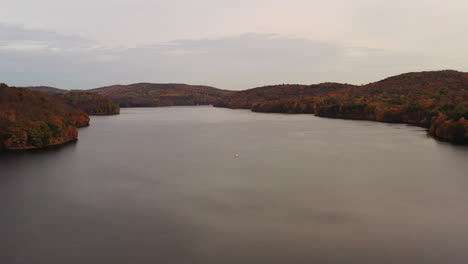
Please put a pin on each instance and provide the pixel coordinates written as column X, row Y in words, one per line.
column 251, row 98
column 91, row 103
column 154, row 95
column 46, row 89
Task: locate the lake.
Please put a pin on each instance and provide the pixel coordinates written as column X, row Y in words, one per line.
column 211, row 185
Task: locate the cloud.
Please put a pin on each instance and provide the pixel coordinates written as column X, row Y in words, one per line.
column 258, row 57
column 39, row 57
column 17, row 37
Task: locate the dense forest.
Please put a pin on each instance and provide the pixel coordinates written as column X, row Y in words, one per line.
column 91, row 103
column 31, row 119
column 139, row 95
column 275, row 95
column 435, row 100
column 46, row 89
column 154, row 95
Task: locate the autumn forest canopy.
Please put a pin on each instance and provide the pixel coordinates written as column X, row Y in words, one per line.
column 435, row 100
column 41, row 116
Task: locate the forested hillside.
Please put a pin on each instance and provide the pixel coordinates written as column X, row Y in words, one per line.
column 435, row 100
column 31, row 119
column 154, row 95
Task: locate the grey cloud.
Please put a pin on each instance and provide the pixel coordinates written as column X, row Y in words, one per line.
column 20, row 38
column 236, row 62
column 258, row 57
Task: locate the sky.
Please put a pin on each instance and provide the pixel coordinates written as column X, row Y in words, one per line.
column 228, row 44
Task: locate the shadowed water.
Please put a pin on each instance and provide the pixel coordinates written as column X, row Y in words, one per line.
column 164, row 185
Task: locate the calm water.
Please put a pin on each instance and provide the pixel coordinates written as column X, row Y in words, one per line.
column 163, row 185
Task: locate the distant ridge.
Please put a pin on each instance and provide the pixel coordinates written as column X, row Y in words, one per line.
column 247, row 99
column 158, row 94
column 149, row 94
column 91, row 103
column 46, row 89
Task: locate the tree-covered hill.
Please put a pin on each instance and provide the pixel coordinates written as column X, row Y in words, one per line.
column 154, row 94
column 31, row 119
column 437, row 100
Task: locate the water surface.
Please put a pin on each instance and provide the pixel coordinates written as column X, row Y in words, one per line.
column 163, row 185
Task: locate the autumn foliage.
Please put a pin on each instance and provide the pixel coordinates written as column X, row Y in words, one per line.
column 153, row 95
column 91, row 103
column 31, row 119
column 435, row 100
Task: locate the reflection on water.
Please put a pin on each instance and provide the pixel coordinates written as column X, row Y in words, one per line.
column 163, row 185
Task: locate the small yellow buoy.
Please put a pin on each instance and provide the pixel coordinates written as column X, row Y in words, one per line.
column 236, row 155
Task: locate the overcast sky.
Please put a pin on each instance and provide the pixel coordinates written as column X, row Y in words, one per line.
column 228, row 44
